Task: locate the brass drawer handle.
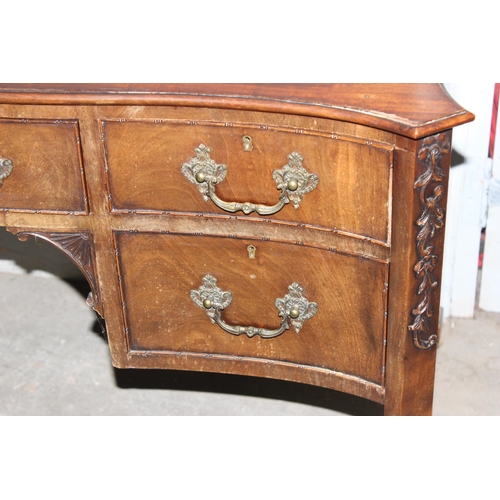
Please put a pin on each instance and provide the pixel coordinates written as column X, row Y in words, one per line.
column 293, row 308
column 6, row 167
column 293, row 180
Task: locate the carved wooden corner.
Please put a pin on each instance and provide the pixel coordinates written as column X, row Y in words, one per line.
column 79, row 247
column 431, row 189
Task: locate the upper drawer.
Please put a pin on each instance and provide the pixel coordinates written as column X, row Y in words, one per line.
column 47, row 172
column 144, row 160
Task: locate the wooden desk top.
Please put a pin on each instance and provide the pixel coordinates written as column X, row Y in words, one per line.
column 412, row 110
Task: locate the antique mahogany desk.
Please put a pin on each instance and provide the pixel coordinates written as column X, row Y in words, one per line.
column 285, row 231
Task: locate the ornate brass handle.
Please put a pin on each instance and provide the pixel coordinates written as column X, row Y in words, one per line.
column 293, row 180
column 293, row 309
column 6, row 167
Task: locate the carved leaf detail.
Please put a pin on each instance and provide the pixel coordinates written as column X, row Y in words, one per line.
column 433, row 149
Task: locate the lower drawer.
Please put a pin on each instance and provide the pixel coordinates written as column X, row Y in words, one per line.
column 158, row 273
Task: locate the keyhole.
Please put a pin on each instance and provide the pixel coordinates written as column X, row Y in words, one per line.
column 251, row 251
column 247, row 143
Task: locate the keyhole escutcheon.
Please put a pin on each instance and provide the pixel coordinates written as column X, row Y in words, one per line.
column 251, row 251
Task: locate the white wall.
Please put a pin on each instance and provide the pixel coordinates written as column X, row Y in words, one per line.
column 490, row 284
column 467, row 199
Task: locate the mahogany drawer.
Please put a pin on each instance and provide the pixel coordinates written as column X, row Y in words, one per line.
column 46, row 172
column 345, row 336
column 144, row 160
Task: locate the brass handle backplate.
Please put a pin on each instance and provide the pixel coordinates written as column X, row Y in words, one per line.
column 6, row 167
column 293, row 180
column 293, row 308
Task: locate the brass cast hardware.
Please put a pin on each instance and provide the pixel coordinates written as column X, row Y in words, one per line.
column 247, row 143
column 251, row 251
column 293, row 309
column 293, row 180
column 6, row 167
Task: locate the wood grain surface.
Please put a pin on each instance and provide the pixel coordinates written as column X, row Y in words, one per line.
column 144, row 161
column 413, row 110
column 347, row 334
column 47, row 172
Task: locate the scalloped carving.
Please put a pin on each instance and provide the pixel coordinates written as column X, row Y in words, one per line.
column 79, row 247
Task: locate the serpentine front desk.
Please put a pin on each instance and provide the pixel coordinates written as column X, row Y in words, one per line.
column 285, row 231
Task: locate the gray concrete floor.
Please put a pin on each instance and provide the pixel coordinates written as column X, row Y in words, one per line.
column 54, row 361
